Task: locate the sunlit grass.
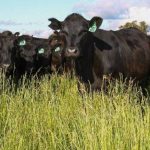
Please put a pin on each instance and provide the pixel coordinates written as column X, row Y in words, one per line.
column 51, row 114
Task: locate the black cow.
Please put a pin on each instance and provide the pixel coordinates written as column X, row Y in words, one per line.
column 7, row 39
column 34, row 55
column 100, row 53
column 59, row 63
column 9, row 33
column 57, row 43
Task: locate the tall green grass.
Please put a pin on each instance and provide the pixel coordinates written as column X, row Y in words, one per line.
column 50, row 114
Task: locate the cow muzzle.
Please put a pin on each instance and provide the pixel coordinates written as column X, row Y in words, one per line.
column 72, row 52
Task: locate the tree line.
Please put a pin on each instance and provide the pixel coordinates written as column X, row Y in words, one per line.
column 143, row 26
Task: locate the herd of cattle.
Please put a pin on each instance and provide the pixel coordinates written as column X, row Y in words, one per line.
column 79, row 44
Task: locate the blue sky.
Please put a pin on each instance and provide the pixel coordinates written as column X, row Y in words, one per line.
column 31, row 16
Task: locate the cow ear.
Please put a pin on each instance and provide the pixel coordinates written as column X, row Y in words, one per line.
column 55, row 24
column 95, row 23
column 17, row 34
column 102, row 45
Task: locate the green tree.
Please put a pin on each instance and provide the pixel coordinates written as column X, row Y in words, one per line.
column 143, row 26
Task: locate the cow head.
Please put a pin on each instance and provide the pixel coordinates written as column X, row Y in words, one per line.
column 77, row 31
column 37, row 54
column 57, row 43
column 7, row 39
column 25, row 53
column 31, row 53
column 43, row 56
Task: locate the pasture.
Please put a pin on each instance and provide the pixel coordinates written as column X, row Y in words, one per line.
column 50, row 114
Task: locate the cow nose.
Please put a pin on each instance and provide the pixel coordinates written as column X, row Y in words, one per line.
column 72, row 50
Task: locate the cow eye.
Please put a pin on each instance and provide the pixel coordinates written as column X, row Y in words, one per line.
column 41, row 50
column 22, row 43
column 82, row 32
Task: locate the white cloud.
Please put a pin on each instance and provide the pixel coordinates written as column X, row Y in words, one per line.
column 135, row 13
column 35, row 33
column 115, row 13
column 9, row 23
column 39, row 33
column 109, row 10
column 140, row 14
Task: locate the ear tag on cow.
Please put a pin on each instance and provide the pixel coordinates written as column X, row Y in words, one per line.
column 57, row 49
column 93, row 27
column 41, row 51
column 22, row 43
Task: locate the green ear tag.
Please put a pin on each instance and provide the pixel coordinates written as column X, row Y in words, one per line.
column 41, row 51
column 93, row 27
column 22, row 43
column 57, row 49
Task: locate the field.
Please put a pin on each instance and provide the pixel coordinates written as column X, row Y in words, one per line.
column 50, row 114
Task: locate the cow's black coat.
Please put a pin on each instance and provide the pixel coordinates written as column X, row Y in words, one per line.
column 7, row 39
column 103, row 52
column 31, row 55
column 37, row 55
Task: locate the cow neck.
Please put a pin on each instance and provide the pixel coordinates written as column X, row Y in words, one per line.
column 84, row 64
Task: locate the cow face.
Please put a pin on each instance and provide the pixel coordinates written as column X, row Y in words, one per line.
column 43, row 57
column 36, row 54
column 57, row 44
column 77, row 31
column 25, row 53
column 32, row 54
column 7, row 39
column 5, row 52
